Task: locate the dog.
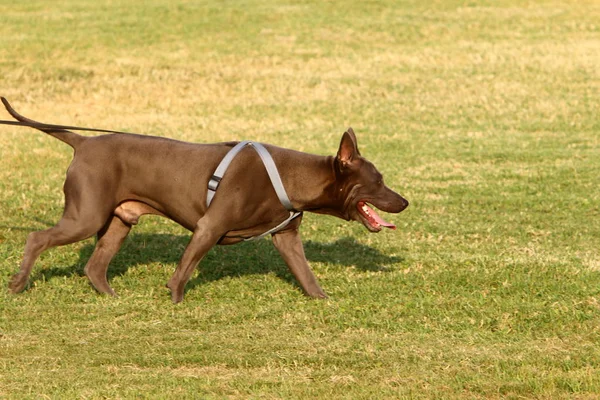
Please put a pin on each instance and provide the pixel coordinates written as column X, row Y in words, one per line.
column 116, row 178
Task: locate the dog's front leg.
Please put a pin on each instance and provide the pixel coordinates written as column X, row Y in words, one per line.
column 205, row 236
column 289, row 245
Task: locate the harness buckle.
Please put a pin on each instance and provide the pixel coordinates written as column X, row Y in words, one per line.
column 213, row 183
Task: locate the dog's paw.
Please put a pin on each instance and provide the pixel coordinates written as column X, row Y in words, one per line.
column 319, row 294
column 176, row 291
column 17, row 283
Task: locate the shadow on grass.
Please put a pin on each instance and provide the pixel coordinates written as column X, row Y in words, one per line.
column 241, row 259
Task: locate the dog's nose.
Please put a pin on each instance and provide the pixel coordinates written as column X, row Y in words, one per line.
column 404, row 204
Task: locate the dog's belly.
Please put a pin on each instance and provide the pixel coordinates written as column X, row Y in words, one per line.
column 130, row 212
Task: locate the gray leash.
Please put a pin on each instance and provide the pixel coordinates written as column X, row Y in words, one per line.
column 271, row 168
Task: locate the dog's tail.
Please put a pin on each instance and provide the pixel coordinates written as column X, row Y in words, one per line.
column 70, row 138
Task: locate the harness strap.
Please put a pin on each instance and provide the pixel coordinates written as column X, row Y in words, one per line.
column 272, row 171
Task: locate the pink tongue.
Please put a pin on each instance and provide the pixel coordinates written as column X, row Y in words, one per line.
column 380, row 220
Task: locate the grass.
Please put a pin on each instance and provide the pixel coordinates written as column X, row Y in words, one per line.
column 482, row 114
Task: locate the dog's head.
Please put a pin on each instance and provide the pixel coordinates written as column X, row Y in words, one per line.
column 361, row 186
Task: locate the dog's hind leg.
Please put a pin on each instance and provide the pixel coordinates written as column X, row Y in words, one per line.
column 85, row 214
column 110, row 239
column 67, row 231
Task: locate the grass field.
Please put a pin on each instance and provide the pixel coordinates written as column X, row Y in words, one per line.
column 483, row 114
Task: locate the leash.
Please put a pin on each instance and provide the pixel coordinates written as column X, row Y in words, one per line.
column 271, row 168
column 41, row 125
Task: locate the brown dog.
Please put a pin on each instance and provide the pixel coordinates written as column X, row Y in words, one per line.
column 116, row 178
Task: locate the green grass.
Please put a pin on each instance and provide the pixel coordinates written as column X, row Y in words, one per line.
column 483, row 114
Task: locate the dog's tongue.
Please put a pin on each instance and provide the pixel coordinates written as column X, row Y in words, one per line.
column 373, row 215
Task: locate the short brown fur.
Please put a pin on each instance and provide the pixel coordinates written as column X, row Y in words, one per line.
column 116, row 178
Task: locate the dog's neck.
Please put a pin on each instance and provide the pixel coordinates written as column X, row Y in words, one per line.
column 313, row 184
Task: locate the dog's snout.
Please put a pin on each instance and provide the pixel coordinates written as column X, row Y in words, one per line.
column 393, row 203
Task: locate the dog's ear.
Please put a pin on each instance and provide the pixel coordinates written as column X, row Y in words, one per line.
column 348, row 150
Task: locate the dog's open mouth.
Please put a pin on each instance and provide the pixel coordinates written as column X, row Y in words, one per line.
column 372, row 218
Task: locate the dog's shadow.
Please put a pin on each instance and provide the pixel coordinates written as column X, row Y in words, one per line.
column 250, row 258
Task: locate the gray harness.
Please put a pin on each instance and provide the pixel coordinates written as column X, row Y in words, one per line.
column 269, row 164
